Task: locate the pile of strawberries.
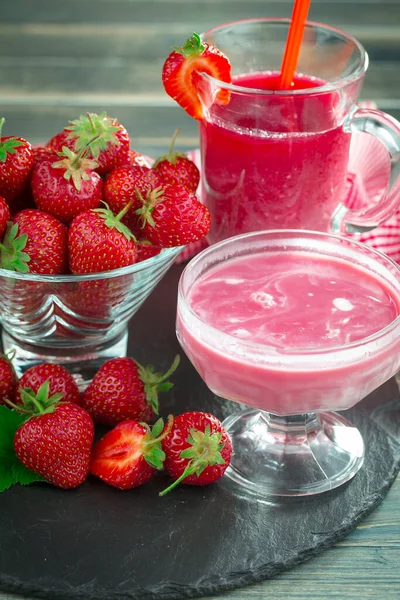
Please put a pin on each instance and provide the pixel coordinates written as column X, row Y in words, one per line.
column 86, row 202
column 56, row 439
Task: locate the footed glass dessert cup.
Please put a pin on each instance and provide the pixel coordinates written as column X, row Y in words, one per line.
column 78, row 321
column 296, row 325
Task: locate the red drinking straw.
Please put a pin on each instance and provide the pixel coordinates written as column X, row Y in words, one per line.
column 293, row 43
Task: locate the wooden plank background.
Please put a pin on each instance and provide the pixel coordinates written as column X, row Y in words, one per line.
column 61, row 58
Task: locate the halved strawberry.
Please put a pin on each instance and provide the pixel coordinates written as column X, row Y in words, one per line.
column 180, row 73
column 130, row 454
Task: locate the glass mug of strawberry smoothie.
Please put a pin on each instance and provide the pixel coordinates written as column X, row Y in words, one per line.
column 276, row 158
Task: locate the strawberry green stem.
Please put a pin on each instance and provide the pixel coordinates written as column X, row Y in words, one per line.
column 190, row 470
column 10, row 355
column 172, row 144
column 155, row 382
column 203, row 450
column 166, row 431
column 32, row 397
column 171, row 370
column 17, row 407
column 2, row 121
column 76, row 163
column 89, row 116
column 123, row 212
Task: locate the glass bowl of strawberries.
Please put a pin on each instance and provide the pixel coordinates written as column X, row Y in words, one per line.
column 88, row 227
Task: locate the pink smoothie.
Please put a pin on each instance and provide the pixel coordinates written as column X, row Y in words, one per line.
column 272, row 161
column 284, row 302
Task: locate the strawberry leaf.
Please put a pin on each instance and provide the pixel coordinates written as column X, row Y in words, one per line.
column 11, row 256
column 9, row 147
column 155, row 382
column 12, row 471
column 114, row 221
column 91, row 125
column 157, row 428
column 75, row 166
column 204, row 451
column 192, row 47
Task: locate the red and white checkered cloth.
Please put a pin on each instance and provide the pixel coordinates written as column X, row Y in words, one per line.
column 369, row 168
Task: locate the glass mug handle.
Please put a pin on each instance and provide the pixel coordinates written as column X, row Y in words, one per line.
column 386, row 129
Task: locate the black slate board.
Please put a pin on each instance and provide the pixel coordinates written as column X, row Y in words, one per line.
column 99, row 543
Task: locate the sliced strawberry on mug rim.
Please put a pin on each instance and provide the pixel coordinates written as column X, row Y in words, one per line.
column 130, row 454
column 180, row 74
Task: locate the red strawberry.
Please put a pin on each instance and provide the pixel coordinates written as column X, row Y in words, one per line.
column 35, row 242
column 180, row 73
column 56, row 440
column 110, row 148
column 174, row 218
column 96, row 299
column 98, row 241
column 60, row 381
column 176, row 167
column 120, row 188
column 23, row 200
column 43, row 152
column 136, row 159
column 197, row 450
column 8, row 378
column 61, row 139
column 68, row 186
column 123, row 389
column 130, row 454
column 4, row 216
column 146, row 250
column 16, row 160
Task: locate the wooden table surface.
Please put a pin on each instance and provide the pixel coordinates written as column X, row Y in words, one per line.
column 61, row 58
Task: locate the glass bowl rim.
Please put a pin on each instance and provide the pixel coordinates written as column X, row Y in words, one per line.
column 335, row 85
column 144, row 265
column 291, row 352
